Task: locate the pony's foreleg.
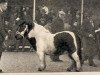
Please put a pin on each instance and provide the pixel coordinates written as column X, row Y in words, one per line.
column 42, row 61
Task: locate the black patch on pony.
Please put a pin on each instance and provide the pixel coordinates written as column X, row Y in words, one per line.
column 32, row 41
column 64, row 41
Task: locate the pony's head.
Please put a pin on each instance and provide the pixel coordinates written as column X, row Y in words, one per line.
column 24, row 27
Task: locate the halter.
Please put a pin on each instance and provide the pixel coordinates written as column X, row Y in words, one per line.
column 23, row 32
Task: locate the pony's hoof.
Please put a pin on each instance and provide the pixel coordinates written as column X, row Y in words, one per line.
column 78, row 70
column 69, row 70
column 73, row 70
column 41, row 68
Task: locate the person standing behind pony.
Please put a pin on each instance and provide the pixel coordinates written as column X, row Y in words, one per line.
column 97, row 31
column 89, row 42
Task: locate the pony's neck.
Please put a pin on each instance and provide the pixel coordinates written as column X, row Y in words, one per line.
column 39, row 31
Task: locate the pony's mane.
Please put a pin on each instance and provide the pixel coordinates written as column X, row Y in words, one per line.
column 21, row 22
column 41, row 27
column 32, row 25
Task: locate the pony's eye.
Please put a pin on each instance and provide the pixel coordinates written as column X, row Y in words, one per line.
column 23, row 27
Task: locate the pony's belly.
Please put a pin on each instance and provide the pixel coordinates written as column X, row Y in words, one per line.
column 50, row 51
column 49, row 46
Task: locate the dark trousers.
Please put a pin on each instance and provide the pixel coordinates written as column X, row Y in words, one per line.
column 0, row 55
column 1, row 45
column 1, row 42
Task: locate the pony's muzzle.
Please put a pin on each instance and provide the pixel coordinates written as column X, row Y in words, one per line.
column 18, row 36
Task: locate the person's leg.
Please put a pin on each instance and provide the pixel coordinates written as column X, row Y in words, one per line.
column 99, row 49
column 99, row 54
column 91, row 62
column 22, row 41
column 1, row 47
column 0, row 60
column 16, row 45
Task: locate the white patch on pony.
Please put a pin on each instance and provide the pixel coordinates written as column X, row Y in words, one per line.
column 76, row 58
column 44, row 39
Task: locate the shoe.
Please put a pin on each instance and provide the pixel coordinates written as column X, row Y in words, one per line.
column 0, row 70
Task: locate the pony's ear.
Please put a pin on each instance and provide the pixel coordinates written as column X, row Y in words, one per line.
column 30, row 24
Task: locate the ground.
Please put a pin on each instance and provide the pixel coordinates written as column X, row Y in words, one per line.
column 28, row 62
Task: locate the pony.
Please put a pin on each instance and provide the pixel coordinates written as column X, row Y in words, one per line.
column 46, row 43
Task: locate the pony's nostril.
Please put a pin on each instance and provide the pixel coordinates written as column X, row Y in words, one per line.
column 17, row 32
column 16, row 37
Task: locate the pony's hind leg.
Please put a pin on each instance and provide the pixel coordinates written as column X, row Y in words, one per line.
column 76, row 58
column 72, row 67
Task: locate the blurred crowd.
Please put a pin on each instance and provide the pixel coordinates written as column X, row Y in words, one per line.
column 10, row 25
